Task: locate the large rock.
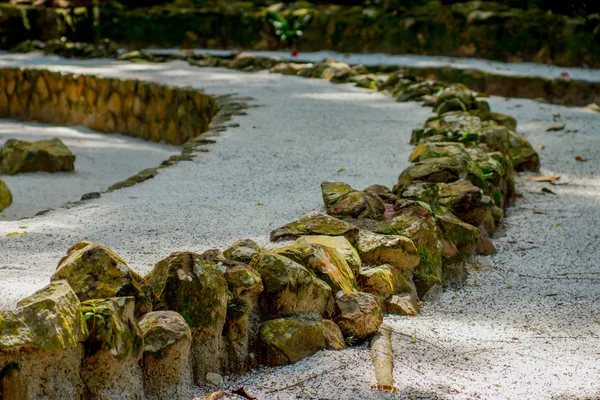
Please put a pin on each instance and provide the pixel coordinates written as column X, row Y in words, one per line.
column 286, row 68
column 357, row 314
column 5, row 196
column 52, row 155
column 425, row 192
column 339, row 243
column 466, row 201
column 435, row 170
column 343, row 201
column 315, row 223
column 166, row 361
column 451, row 126
column 376, row 249
column 522, row 154
column 242, row 250
column 243, row 314
column 290, row 289
column 326, row 262
column 96, row 272
column 416, row 221
column 195, row 287
column 403, row 304
column 463, row 235
column 113, row 350
column 41, row 346
column 288, row 340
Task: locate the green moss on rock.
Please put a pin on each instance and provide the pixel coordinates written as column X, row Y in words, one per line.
column 18, row 156
column 94, row 271
column 288, row 340
column 5, row 195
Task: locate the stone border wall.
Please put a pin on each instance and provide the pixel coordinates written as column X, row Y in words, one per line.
column 144, row 110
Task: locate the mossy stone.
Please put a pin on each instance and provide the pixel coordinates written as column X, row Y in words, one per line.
column 289, row 288
column 19, row 156
column 49, row 319
column 315, row 223
column 288, row 340
column 5, row 195
column 94, row 271
column 193, row 286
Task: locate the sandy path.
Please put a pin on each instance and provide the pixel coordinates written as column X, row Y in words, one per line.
column 525, row 326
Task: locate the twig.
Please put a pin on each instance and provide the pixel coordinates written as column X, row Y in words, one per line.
column 479, row 350
column 422, row 340
column 559, row 278
column 408, row 365
column 305, row 380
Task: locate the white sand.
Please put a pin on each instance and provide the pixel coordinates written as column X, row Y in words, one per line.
column 501, row 336
column 101, row 160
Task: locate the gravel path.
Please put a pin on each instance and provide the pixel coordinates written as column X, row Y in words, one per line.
column 526, row 325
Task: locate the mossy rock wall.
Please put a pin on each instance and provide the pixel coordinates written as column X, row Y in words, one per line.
column 145, row 110
column 474, row 29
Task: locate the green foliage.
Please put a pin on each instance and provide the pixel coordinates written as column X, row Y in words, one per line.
column 96, row 309
column 288, row 29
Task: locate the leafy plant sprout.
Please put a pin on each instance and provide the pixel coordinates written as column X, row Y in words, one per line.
column 288, row 29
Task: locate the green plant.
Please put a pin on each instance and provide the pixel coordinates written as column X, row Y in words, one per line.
column 288, row 30
column 96, row 309
column 350, row 341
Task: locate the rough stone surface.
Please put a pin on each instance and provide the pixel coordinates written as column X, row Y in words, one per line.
column 96, row 272
column 315, row 223
column 290, row 288
column 195, row 287
column 18, row 156
column 5, row 195
column 326, row 262
column 166, row 361
column 242, row 250
column 357, row 314
column 113, row 350
column 343, row 201
column 41, row 346
column 288, row 340
column 375, row 249
column 402, row 303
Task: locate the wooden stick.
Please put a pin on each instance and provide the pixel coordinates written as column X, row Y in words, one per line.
column 383, row 356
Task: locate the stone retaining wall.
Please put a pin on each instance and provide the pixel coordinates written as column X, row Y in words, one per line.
column 145, row 110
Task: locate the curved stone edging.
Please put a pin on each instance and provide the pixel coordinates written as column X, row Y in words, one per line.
column 223, row 296
column 145, row 110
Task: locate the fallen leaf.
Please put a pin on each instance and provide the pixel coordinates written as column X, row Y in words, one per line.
column 557, row 115
column 475, row 267
column 16, row 234
column 242, row 392
column 285, row 166
column 518, row 105
column 579, row 158
column 413, row 339
column 564, row 74
column 555, row 128
column 544, row 178
column 539, row 212
column 215, row 396
column 559, row 224
column 259, row 204
column 341, row 169
column 541, row 147
column 23, row 227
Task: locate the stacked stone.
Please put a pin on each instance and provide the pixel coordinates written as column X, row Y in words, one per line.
column 145, row 110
